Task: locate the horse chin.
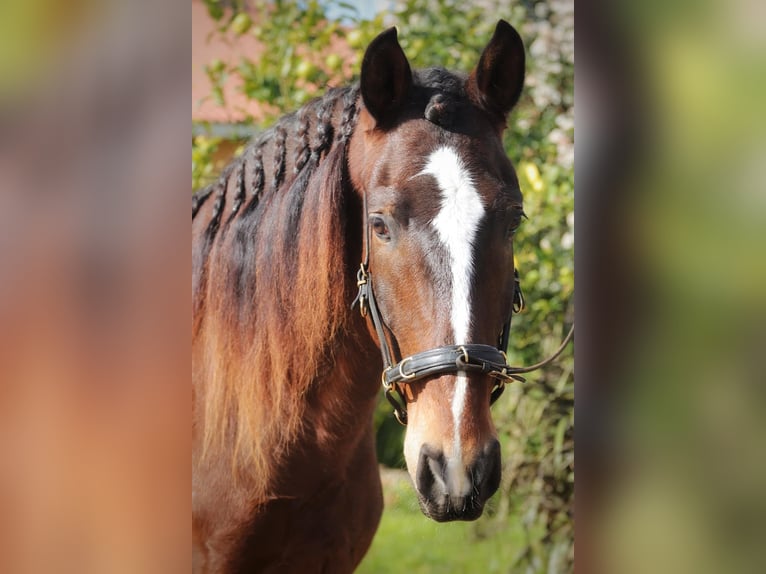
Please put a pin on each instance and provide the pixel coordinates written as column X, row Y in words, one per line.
column 445, row 512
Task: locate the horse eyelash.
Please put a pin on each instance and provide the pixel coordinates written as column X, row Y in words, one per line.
column 522, row 215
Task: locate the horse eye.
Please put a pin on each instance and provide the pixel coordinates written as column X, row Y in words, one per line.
column 515, row 224
column 380, row 228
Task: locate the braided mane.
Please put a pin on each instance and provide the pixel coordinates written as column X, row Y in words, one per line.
column 268, row 282
column 275, row 140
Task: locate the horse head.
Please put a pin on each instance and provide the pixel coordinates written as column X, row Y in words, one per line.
column 442, row 202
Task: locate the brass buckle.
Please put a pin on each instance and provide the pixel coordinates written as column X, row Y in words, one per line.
column 386, row 385
column 400, row 409
column 361, row 276
column 405, row 376
column 463, row 359
column 402, row 374
column 501, row 375
column 361, row 280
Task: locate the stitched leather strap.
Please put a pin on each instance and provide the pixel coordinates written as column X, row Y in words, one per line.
column 451, row 359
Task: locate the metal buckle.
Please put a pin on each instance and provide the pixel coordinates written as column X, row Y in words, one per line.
column 462, row 361
column 501, row 375
column 383, row 378
column 361, row 280
column 400, row 411
column 361, row 276
column 363, row 305
column 402, row 374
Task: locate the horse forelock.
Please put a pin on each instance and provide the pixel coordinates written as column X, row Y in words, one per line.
column 270, row 291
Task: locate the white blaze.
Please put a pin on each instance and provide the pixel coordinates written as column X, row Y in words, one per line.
column 457, row 224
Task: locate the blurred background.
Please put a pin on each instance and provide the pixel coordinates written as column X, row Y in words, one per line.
column 253, row 61
column 671, row 275
column 671, row 265
column 94, row 252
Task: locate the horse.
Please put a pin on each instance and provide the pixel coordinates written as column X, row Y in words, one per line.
column 394, row 194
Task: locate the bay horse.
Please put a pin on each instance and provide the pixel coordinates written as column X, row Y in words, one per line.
column 404, row 172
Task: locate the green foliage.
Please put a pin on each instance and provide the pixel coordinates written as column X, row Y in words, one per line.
column 203, row 166
column 447, row 33
column 300, row 58
column 389, row 436
column 535, row 421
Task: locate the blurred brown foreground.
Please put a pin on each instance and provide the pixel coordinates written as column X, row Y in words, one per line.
column 94, row 262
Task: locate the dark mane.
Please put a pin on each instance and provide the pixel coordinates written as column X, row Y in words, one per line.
column 249, row 167
column 277, row 218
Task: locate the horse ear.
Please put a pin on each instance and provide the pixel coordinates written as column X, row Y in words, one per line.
column 386, row 76
column 498, row 79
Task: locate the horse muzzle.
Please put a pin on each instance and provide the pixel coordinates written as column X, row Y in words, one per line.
column 448, row 491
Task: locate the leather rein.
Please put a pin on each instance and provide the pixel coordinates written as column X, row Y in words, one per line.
column 476, row 358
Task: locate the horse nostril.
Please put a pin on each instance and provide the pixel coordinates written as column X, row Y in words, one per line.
column 488, row 470
column 430, row 470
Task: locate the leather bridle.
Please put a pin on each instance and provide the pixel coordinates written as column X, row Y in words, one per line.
column 476, row 358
